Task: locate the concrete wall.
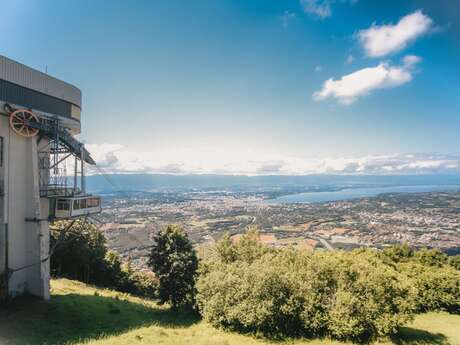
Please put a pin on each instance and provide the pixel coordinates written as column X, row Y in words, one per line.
column 3, row 287
column 28, row 240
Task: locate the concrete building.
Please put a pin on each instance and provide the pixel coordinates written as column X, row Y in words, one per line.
column 39, row 116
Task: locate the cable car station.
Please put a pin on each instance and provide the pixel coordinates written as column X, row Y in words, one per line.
column 42, row 173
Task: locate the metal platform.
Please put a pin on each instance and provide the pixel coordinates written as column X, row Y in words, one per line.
column 53, row 131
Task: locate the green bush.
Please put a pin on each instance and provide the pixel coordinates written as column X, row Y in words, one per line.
column 437, row 288
column 432, row 273
column 431, row 257
column 80, row 253
column 255, row 296
column 247, row 287
column 454, row 261
column 397, row 253
column 371, row 299
column 143, row 284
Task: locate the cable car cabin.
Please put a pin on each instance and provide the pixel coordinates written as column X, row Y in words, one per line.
column 75, row 206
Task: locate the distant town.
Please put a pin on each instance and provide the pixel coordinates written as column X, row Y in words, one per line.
column 131, row 219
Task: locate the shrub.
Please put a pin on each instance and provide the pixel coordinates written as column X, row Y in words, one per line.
column 175, row 263
column 140, row 283
column 397, row 253
column 143, row 284
column 249, row 296
column 288, row 292
column 371, row 299
column 454, row 261
column 432, row 274
column 431, row 257
column 437, row 288
column 80, row 253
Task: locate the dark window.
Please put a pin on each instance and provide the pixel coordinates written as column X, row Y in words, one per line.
column 76, row 204
column 63, row 205
column 12, row 93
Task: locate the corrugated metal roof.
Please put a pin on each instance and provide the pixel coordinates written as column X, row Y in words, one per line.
column 22, row 75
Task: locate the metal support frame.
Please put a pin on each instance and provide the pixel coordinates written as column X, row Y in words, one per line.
column 53, row 168
column 83, row 182
column 61, row 145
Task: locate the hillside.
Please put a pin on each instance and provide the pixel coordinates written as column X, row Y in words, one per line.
column 81, row 314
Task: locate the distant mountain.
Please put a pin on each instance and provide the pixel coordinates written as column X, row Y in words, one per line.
column 125, row 182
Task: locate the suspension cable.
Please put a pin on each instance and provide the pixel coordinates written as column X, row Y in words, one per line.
column 101, row 172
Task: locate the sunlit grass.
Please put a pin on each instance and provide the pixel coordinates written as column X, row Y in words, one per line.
column 82, row 314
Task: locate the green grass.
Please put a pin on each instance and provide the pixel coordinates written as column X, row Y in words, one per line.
column 81, row 314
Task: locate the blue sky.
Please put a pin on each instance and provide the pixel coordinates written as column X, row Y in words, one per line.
column 233, row 86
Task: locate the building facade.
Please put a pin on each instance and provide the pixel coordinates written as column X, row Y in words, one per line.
column 26, row 167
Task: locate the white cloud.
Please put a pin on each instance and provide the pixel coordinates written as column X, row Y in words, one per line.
column 117, row 159
column 420, row 163
column 362, row 82
column 382, row 40
column 321, row 8
column 104, row 154
column 411, row 60
column 270, row 167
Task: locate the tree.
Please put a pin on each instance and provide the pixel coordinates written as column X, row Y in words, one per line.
column 79, row 251
column 175, row 263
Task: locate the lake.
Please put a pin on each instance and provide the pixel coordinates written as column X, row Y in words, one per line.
column 355, row 193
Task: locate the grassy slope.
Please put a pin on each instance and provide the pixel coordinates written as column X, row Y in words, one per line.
column 83, row 314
